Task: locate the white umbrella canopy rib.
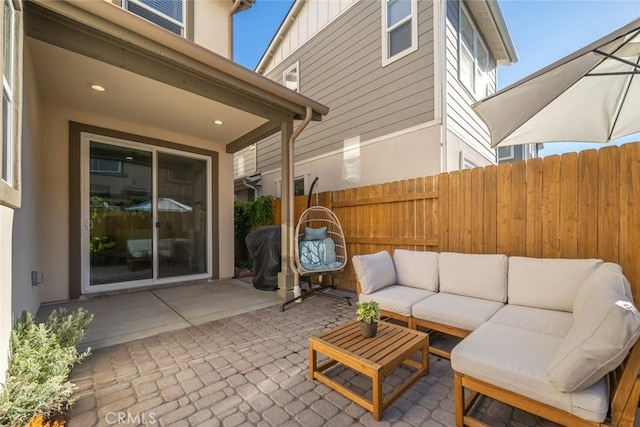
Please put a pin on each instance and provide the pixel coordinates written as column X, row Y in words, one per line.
column 592, row 95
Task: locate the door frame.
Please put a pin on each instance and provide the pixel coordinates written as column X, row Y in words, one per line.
column 79, row 258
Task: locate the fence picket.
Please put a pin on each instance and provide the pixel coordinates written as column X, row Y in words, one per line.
column 578, row 205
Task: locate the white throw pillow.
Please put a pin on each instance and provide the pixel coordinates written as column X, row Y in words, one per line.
column 416, row 269
column 374, row 271
column 550, row 283
column 605, row 328
column 474, row 275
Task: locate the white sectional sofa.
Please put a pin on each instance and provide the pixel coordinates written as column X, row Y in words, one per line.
column 539, row 334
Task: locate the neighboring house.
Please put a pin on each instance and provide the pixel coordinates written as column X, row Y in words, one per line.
column 399, row 75
column 117, row 145
column 512, row 153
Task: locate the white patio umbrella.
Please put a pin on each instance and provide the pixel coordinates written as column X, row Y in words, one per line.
column 592, row 95
column 164, row 205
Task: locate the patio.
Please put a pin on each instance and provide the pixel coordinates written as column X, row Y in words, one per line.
column 252, row 369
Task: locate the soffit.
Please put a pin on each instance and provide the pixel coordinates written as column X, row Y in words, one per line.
column 63, row 78
column 493, row 30
column 106, row 33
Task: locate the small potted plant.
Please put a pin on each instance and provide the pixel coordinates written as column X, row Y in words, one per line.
column 368, row 315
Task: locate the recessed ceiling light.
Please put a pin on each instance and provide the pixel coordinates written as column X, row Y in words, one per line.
column 218, row 122
column 128, row 158
column 97, row 88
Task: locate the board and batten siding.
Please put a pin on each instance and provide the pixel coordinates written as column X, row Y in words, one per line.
column 341, row 67
column 312, row 18
column 461, row 119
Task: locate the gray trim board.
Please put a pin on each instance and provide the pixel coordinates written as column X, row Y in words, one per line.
column 75, row 226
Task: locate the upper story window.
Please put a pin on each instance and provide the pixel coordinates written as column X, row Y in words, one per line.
column 506, row 153
column 169, row 14
column 291, row 77
column 475, row 63
column 399, row 29
column 8, row 84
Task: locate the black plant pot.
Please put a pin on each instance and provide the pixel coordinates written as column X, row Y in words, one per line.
column 368, row 329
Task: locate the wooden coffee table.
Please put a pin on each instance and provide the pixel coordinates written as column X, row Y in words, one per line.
column 375, row 357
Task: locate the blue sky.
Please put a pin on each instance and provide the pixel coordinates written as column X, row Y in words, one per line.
column 543, row 31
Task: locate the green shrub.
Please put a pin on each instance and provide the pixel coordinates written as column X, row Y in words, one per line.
column 69, row 328
column 248, row 216
column 39, row 367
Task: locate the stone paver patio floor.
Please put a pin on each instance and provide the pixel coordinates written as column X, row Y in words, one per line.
column 251, row 369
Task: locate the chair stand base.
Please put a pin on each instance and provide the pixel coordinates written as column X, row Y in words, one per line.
column 315, row 291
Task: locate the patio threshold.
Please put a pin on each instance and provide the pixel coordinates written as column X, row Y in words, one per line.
column 130, row 316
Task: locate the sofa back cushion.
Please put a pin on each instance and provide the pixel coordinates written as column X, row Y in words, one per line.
column 416, row 269
column 605, row 327
column 474, row 275
column 549, row 283
column 374, row 271
column 608, row 274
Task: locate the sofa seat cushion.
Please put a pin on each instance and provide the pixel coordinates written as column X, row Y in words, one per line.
column 397, row 299
column 474, row 275
column 516, row 359
column 456, row 310
column 374, row 271
column 551, row 322
column 416, row 269
column 550, row 283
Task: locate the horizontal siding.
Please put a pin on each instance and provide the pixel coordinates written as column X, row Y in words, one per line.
column 313, row 17
column 341, row 67
column 244, row 163
column 461, row 119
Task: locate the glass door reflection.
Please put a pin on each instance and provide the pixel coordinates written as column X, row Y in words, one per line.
column 120, row 217
column 181, row 215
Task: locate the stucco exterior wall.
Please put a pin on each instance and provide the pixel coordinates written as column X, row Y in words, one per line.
column 212, row 26
column 6, row 231
column 26, row 236
column 458, row 149
column 54, row 220
column 367, row 162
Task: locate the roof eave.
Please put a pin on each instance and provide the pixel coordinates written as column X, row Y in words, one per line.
column 142, row 31
column 278, row 36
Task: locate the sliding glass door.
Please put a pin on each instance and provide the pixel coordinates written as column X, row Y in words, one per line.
column 146, row 214
column 182, row 215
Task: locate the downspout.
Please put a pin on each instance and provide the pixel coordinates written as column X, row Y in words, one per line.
column 290, row 192
column 254, row 188
column 443, row 86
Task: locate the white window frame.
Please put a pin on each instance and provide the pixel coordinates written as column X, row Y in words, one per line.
column 10, row 187
column 8, row 88
column 295, row 66
column 386, row 31
column 511, row 156
column 297, row 178
column 85, row 143
column 478, row 74
column 162, row 15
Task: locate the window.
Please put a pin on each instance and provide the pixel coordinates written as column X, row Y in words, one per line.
column 106, row 166
column 8, row 143
column 299, row 185
column 506, row 153
column 168, row 14
column 291, row 77
column 474, row 60
column 399, row 29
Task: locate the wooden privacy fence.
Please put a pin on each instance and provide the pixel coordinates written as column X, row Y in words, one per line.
column 578, row 205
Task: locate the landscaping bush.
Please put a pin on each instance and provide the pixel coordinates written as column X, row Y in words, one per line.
column 248, row 216
column 40, row 360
